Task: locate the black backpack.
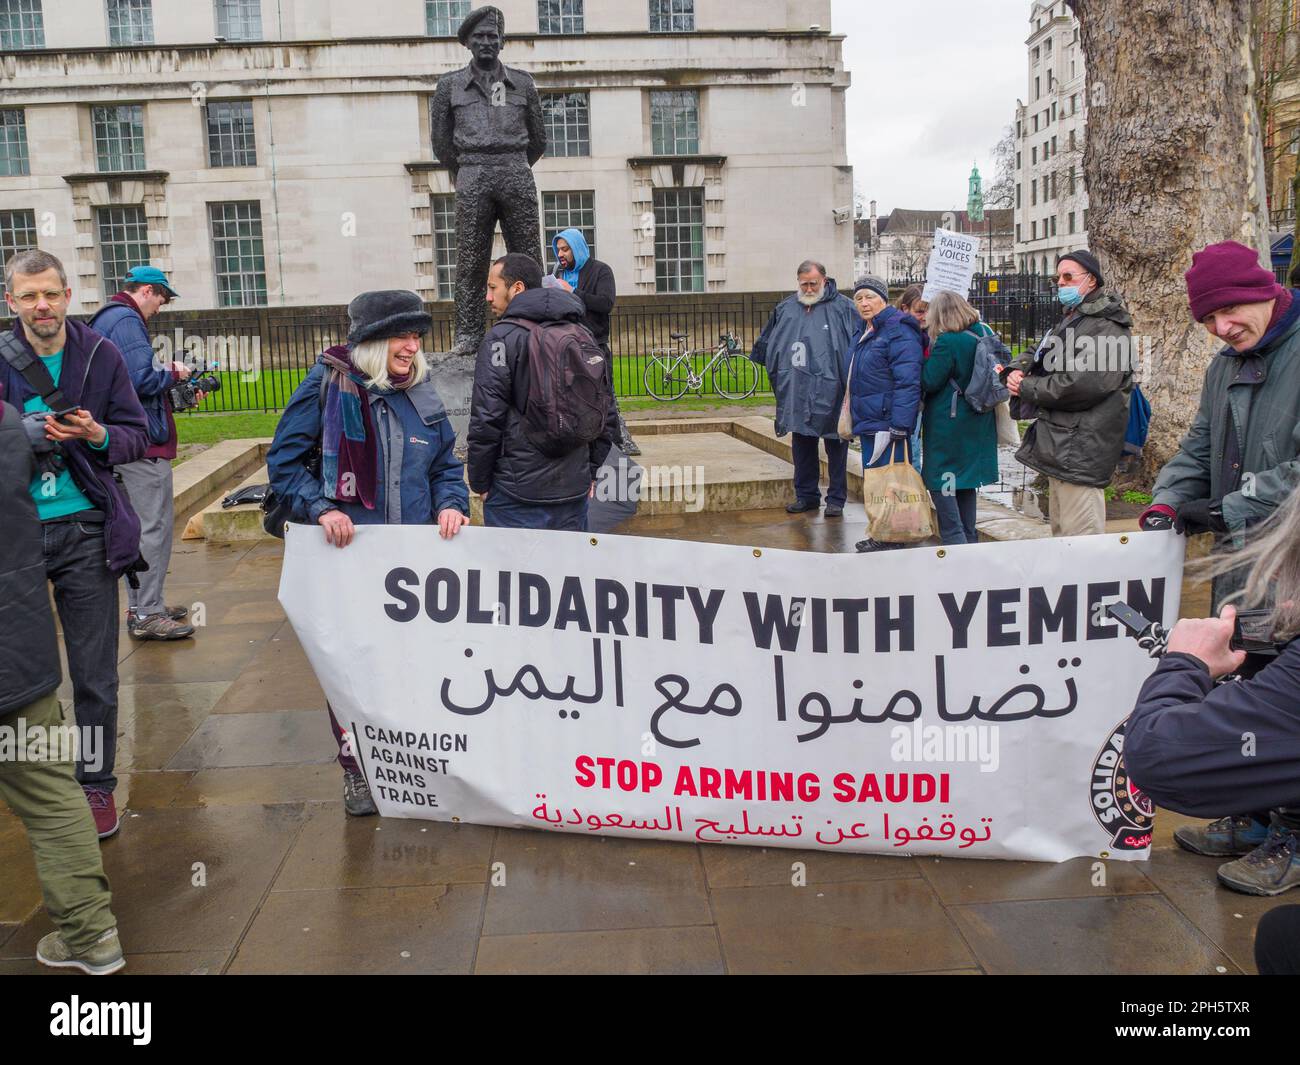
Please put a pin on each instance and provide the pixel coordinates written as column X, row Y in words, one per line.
column 569, row 397
column 985, row 390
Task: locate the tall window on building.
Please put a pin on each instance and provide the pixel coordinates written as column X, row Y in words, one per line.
column 672, row 16
column 675, row 122
column 1033, row 192
column 21, row 25
column 1033, row 230
column 1018, row 234
column 442, row 18
column 568, row 210
column 568, row 123
column 130, row 21
column 13, row 143
column 123, row 243
column 239, row 20
column 1072, row 222
column 1053, row 225
column 443, row 218
column 679, row 240
column 559, row 16
column 17, row 233
column 1018, row 188
column 1033, row 155
column 119, row 137
column 231, row 141
column 238, row 258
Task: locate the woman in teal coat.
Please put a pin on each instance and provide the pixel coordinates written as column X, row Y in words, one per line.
column 959, row 447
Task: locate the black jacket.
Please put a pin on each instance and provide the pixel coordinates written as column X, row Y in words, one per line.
column 500, row 455
column 29, row 650
column 597, row 292
column 1206, row 750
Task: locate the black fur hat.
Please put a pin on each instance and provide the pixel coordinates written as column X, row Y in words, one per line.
column 388, row 313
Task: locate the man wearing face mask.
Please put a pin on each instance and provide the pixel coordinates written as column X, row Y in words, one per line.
column 1077, row 387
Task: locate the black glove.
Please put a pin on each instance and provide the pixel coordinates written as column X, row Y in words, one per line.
column 1157, row 517
column 1200, row 516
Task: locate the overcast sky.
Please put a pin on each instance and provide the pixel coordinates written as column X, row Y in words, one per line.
column 935, row 84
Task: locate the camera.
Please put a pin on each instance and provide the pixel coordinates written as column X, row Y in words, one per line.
column 183, row 393
column 49, row 453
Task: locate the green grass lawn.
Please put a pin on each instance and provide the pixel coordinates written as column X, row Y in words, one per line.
column 214, row 428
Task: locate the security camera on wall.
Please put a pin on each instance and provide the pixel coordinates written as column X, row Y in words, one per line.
column 842, row 215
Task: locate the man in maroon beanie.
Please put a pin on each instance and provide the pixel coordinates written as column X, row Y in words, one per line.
column 1237, row 464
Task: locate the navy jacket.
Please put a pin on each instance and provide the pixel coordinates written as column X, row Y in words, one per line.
column 414, row 456
column 885, row 385
column 1186, row 743
column 500, row 455
column 125, row 327
column 112, row 402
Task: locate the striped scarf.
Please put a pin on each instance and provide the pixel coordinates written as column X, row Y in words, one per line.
column 349, row 452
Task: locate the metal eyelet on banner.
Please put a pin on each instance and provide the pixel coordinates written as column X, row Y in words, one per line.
column 758, row 553
column 1123, row 539
column 942, row 553
column 593, row 541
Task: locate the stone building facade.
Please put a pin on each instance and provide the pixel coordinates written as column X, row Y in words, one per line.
column 277, row 152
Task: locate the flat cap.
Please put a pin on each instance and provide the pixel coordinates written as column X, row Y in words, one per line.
column 475, row 17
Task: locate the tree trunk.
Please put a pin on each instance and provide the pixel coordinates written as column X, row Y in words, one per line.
column 1174, row 161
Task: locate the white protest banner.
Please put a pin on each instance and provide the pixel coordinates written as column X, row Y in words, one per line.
column 952, row 264
column 968, row 701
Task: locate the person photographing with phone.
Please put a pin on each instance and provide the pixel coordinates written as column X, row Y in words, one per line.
column 83, row 418
column 1199, row 747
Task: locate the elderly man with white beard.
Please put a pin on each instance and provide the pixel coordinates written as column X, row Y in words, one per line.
column 803, row 347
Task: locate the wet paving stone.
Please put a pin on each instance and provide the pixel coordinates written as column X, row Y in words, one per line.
column 1134, row 935
column 558, row 883
column 338, row 851
column 388, row 930
column 639, row 951
column 288, row 738
column 886, row 926
column 162, row 901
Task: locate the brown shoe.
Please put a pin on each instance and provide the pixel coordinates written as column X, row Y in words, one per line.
column 160, row 627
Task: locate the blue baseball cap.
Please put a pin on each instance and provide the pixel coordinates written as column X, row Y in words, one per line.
column 150, row 275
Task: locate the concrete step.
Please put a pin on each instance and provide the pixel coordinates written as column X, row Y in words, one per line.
column 197, row 479
column 237, row 524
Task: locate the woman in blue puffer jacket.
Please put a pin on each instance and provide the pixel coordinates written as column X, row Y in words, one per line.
column 884, row 382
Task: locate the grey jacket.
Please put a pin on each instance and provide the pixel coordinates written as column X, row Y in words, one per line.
column 1263, row 392
column 1081, row 392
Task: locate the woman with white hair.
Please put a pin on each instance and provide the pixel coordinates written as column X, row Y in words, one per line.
column 364, row 420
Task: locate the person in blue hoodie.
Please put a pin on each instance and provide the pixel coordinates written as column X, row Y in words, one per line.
column 592, row 281
column 884, row 383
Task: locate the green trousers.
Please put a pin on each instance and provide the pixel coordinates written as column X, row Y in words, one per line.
column 44, row 794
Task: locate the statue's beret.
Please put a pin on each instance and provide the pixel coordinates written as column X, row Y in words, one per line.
column 475, row 17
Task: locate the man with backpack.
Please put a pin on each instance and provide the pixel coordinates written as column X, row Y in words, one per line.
column 1077, row 387
column 540, row 412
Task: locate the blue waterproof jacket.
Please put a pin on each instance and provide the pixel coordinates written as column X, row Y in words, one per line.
column 418, row 475
column 885, row 386
column 803, row 350
column 1184, row 742
column 125, row 327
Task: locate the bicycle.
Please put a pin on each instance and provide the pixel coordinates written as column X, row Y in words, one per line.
column 734, row 376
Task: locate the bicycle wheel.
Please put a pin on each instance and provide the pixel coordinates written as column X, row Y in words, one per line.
column 665, row 380
column 735, row 377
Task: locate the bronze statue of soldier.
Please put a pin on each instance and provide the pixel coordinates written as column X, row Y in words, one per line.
column 488, row 130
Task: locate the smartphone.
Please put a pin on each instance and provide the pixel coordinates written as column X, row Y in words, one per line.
column 1253, row 634
column 59, row 415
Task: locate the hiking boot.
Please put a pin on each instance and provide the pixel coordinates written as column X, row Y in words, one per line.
column 834, row 510
column 160, row 627
column 103, row 957
column 176, row 613
column 357, row 799
column 800, row 506
column 104, row 809
column 1270, row 869
column 1224, row 838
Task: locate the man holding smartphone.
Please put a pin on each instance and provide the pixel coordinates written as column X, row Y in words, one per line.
column 90, row 535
